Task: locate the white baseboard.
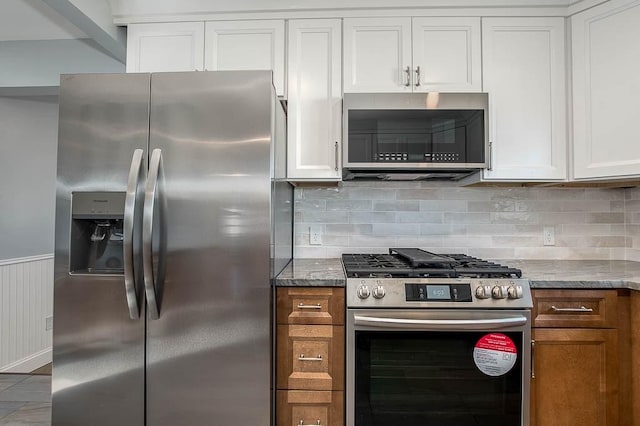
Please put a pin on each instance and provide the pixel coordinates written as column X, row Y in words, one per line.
column 28, row 364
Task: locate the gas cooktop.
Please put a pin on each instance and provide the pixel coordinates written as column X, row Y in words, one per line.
column 417, row 263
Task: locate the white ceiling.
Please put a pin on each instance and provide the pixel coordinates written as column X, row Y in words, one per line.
column 34, row 20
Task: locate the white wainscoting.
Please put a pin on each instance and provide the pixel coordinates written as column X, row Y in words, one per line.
column 26, row 300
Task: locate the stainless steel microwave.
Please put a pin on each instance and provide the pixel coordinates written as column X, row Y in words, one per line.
column 411, row 136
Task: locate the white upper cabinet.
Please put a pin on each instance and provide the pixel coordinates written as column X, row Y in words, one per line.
column 412, row 54
column 246, row 45
column 314, row 100
column 606, row 90
column 446, row 55
column 175, row 46
column 524, row 74
column 377, row 55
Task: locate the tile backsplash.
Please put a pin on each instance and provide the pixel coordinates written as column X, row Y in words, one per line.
column 489, row 222
column 632, row 223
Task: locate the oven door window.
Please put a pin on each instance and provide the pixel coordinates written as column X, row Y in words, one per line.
column 430, row 378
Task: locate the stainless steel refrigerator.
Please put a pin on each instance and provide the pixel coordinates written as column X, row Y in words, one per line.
column 173, row 215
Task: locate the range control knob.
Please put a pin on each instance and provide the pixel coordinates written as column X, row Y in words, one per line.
column 378, row 292
column 515, row 292
column 363, row 292
column 483, row 292
column 498, row 292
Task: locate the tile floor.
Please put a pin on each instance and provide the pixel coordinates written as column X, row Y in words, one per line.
column 25, row 400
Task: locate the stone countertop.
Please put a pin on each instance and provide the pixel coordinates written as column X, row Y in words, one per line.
column 579, row 273
column 312, row 273
column 542, row 273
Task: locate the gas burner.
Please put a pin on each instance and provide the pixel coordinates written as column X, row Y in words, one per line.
column 417, row 263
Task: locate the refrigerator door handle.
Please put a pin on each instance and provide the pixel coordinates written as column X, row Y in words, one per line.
column 135, row 174
column 147, row 233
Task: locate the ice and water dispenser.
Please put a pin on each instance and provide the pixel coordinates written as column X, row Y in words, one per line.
column 97, row 233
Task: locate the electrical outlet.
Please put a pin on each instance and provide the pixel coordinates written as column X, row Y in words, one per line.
column 48, row 323
column 549, row 236
column 315, row 235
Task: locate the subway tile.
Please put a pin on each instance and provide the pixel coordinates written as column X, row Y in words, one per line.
column 418, row 194
column 476, row 194
column 372, row 217
column 491, row 229
column 427, row 243
column 516, row 241
column 465, row 218
column 443, row 205
column 323, row 193
column 371, row 241
column 349, row 228
column 467, row 241
column 395, row 229
column 515, row 217
column 584, row 228
column 309, row 252
column 325, row 217
column 370, row 193
column 351, row 205
column 617, row 206
column 561, row 194
column 335, row 240
column 559, row 253
column 535, row 206
column 491, row 206
column 419, row 217
column 555, row 218
column 605, row 217
column 306, row 205
column 604, row 194
column 493, row 252
column 397, row 205
column 397, row 185
column 429, row 229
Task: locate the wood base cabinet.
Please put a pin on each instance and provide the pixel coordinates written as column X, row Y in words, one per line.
column 310, row 356
column 575, row 377
column 310, row 408
column 581, row 358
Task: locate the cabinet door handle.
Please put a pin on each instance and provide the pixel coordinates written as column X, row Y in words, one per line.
column 490, row 156
column 418, row 76
column 303, row 306
column 408, row 72
column 301, row 423
column 336, row 155
column 303, row 358
column 533, row 364
column 580, row 309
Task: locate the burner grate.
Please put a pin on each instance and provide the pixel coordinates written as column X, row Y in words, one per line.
column 417, row 263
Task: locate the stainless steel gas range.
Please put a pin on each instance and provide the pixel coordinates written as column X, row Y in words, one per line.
column 436, row 339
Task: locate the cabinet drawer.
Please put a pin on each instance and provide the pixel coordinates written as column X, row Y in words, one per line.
column 310, row 305
column 324, row 408
column 310, row 357
column 575, row 308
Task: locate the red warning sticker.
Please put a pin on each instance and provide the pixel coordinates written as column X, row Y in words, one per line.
column 495, row 354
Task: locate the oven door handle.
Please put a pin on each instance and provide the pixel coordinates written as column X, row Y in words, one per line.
column 439, row 324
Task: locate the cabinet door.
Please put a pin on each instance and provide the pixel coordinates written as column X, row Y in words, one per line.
column 606, row 90
column 175, row 46
column 576, row 377
column 246, row 45
column 377, row 55
column 310, row 408
column 314, row 100
column 524, row 73
column 446, row 55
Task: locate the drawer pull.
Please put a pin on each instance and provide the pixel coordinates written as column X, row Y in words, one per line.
column 303, row 306
column 315, row 424
column 580, row 309
column 302, row 358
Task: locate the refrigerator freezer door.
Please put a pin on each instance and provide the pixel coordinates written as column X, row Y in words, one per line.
column 98, row 350
column 209, row 352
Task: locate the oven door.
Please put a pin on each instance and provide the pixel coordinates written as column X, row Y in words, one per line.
column 438, row 367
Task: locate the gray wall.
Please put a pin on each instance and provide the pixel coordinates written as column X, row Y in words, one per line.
column 28, row 147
